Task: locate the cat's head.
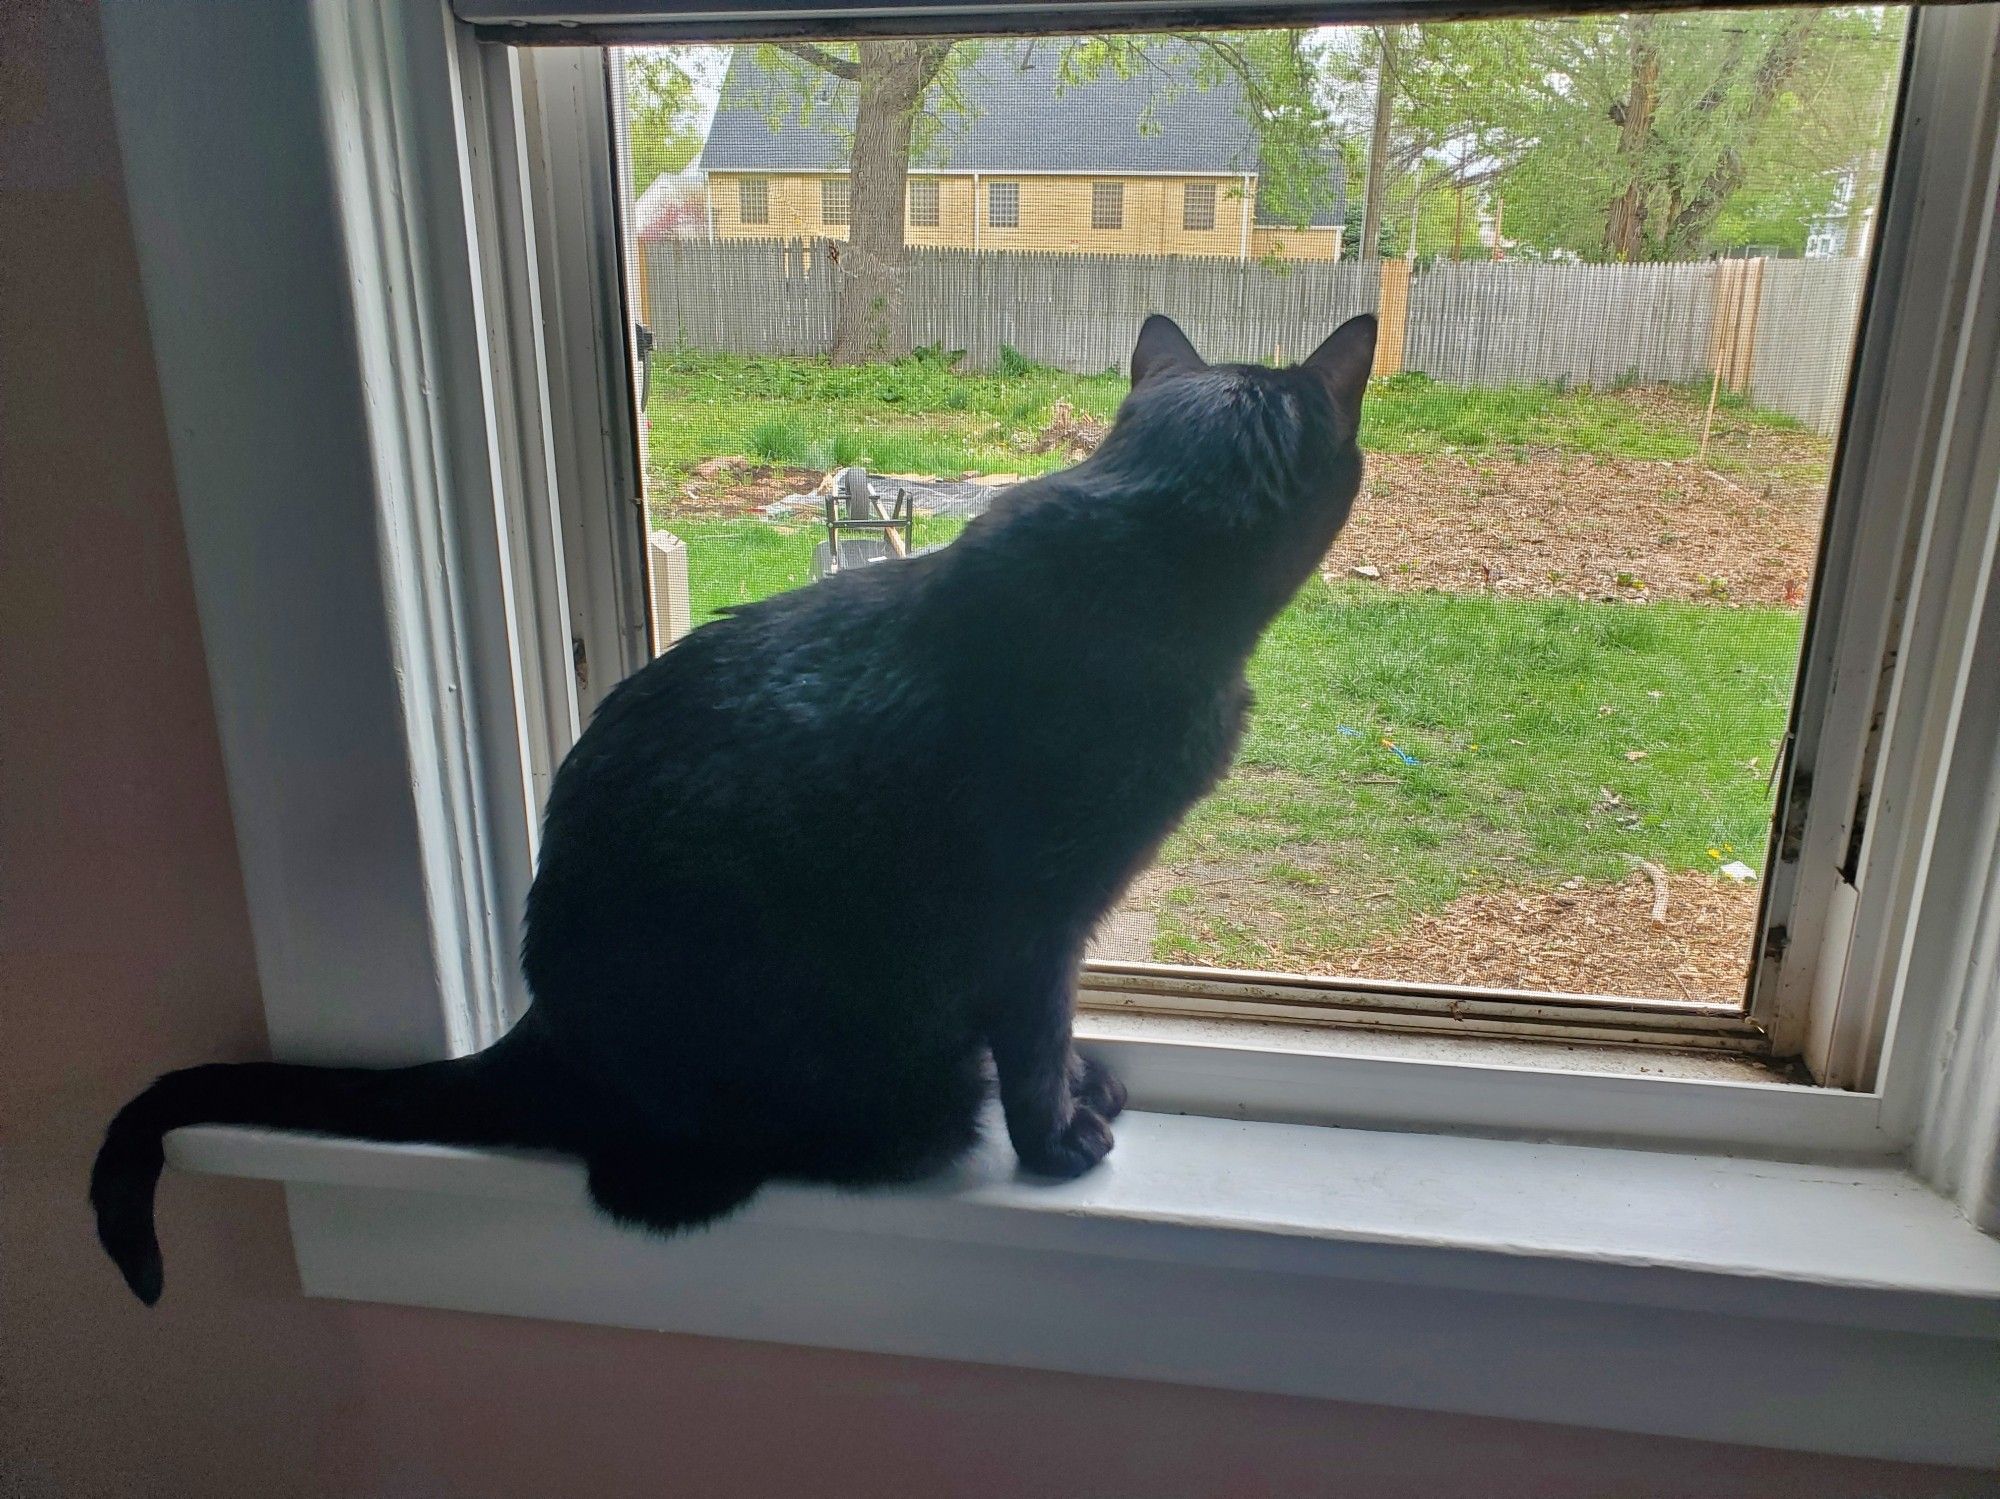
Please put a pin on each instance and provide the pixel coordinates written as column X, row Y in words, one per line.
column 1252, row 470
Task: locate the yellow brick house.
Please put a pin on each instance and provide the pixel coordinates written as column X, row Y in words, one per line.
column 1148, row 165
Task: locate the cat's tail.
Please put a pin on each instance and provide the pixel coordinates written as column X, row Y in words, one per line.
column 485, row 1099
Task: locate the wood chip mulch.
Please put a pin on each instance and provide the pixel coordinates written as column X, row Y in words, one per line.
column 1593, row 939
column 1549, row 525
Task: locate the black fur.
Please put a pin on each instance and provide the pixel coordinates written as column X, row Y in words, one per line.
column 807, row 871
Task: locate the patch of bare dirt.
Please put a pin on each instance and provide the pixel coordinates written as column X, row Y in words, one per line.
column 1548, row 525
column 733, row 487
column 1594, row 939
column 1070, row 432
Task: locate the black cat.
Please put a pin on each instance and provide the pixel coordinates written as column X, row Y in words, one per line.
column 804, row 873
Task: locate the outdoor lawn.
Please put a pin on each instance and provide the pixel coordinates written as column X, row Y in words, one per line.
column 1552, row 648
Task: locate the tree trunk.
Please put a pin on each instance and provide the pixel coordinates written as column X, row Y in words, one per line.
column 1689, row 226
column 1378, row 144
column 891, row 78
column 1625, row 225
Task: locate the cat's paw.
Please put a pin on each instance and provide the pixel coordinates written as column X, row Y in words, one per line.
column 1097, row 1090
column 1082, row 1145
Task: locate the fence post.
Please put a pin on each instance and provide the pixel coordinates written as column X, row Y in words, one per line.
column 642, row 254
column 1739, row 291
column 1393, row 314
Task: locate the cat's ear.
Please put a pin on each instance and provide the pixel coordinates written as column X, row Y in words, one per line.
column 1343, row 362
column 1162, row 347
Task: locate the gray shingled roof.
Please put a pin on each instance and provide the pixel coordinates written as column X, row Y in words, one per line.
column 1015, row 119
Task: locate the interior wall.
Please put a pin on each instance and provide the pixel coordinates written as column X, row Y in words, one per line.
column 126, row 951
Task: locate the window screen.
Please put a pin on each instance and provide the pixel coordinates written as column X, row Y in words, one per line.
column 1520, row 730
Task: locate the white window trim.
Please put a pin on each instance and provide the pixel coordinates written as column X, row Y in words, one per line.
column 322, row 339
column 1013, row 190
column 830, row 189
column 1113, row 206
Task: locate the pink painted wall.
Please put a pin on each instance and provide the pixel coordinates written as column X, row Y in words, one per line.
column 126, row 951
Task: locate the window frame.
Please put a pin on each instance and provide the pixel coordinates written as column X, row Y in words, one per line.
column 1013, row 196
column 387, row 184
column 836, row 202
column 935, row 199
column 591, row 455
column 1189, row 191
column 1107, row 206
column 331, row 230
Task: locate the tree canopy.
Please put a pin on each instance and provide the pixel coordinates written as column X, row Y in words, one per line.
column 662, row 112
column 1635, row 137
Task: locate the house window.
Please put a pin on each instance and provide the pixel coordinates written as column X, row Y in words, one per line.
column 833, row 201
column 557, row 436
column 572, row 389
column 1597, row 745
column 1107, row 205
column 753, row 200
column 1198, row 205
column 1003, row 205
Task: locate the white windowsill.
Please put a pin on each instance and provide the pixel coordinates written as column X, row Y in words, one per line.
column 1829, row 1308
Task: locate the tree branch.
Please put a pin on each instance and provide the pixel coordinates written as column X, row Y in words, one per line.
column 825, row 61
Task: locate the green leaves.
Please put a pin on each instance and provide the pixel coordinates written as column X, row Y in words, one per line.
column 661, row 111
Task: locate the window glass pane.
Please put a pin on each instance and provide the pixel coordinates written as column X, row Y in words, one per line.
column 1003, row 205
column 833, row 200
column 1107, row 205
column 1198, row 205
column 1519, row 729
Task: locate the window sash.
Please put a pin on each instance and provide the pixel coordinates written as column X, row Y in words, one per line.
column 1003, row 205
column 753, row 200
column 1165, row 988
column 1198, row 206
column 834, row 200
column 1107, row 205
column 923, row 203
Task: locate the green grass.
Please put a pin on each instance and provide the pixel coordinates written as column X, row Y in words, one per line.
column 1412, row 413
column 918, row 415
column 1323, row 837
column 740, row 561
column 1522, row 775
column 922, row 415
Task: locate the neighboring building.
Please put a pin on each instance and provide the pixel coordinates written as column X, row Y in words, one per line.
column 1151, row 165
column 1827, row 238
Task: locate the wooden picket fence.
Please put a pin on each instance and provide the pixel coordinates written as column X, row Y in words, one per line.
column 1778, row 331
